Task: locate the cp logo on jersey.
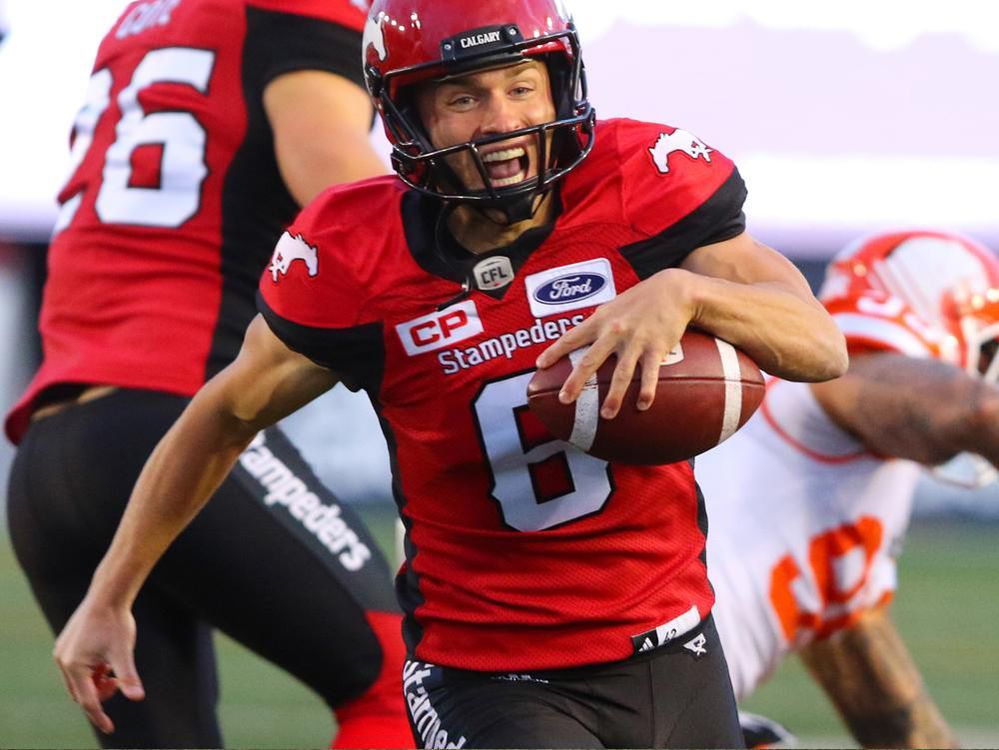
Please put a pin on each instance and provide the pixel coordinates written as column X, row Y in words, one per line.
column 440, row 329
column 290, row 249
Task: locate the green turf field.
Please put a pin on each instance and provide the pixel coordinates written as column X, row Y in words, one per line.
column 947, row 608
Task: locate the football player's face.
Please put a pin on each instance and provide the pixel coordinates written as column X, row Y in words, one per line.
column 489, row 103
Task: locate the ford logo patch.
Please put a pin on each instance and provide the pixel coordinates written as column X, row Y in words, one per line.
column 569, row 288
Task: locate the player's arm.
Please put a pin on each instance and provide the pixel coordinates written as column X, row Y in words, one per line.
column 266, row 382
column 753, row 297
column 920, row 409
column 739, row 290
column 321, row 123
column 870, row 676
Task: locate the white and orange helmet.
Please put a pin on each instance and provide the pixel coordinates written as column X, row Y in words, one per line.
column 923, row 294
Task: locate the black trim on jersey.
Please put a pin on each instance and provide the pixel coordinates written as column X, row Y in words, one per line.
column 437, row 252
column 284, row 42
column 407, row 580
column 702, row 518
column 256, row 203
column 719, row 218
column 356, row 355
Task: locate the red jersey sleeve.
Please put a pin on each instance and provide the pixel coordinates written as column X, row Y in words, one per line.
column 304, row 268
column 311, row 298
column 676, row 191
column 670, row 174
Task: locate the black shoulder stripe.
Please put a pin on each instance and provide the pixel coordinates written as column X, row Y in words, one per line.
column 278, row 43
column 356, row 355
column 719, row 218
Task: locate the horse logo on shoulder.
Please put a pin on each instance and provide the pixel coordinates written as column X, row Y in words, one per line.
column 678, row 140
column 288, row 250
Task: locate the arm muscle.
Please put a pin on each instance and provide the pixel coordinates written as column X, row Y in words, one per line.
column 321, row 126
column 919, row 409
column 754, row 298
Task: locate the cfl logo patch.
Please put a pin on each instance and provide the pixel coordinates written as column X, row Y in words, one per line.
column 696, row 645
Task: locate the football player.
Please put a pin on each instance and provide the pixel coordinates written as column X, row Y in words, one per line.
column 191, row 154
column 551, row 599
column 810, row 502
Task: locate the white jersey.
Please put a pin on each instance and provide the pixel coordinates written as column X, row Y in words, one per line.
column 804, row 529
column 804, row 522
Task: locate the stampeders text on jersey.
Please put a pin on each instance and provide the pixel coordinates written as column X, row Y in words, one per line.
column 506, row 344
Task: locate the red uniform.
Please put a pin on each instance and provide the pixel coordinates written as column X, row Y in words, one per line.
column 171, row 211
column 523, row 553
column 175, row 200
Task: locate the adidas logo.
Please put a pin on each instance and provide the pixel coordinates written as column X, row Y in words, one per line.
column 647, row 645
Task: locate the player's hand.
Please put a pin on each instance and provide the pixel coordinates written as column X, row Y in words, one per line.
column 640, row 326
column 94, row 654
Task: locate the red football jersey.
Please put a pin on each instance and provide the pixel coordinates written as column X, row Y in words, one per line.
column 523, row 552
column 175, row 200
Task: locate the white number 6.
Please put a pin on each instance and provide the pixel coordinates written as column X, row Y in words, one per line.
column 587, row 486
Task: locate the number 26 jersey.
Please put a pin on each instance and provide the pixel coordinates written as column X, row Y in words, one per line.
column 174, row 199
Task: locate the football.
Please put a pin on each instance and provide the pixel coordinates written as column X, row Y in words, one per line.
column 707, row 390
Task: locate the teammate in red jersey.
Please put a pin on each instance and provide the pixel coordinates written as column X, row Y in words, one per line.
column 551, row 599
column 191, row 154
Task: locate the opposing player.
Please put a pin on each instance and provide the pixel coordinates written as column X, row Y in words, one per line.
column 809, row 503
column 192, row 153
column 551, row 599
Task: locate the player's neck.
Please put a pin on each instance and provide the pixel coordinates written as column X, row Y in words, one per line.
column 481, row 231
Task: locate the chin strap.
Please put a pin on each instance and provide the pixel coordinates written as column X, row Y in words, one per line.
column 514, row 210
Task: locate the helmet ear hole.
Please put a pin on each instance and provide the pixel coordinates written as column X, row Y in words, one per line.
column 560, row 76
column 416, row 131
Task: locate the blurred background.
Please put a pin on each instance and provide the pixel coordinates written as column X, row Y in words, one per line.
column 843, row 118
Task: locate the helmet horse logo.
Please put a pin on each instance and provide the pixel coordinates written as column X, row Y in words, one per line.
column 374, row 36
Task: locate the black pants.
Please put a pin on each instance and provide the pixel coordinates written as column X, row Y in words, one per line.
column 679, row 695
column 296, row 580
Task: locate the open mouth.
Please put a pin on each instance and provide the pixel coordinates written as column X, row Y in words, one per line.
column 507, row 166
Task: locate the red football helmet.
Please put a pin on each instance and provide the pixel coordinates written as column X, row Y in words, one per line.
column 937, row 290
column 409, row 41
